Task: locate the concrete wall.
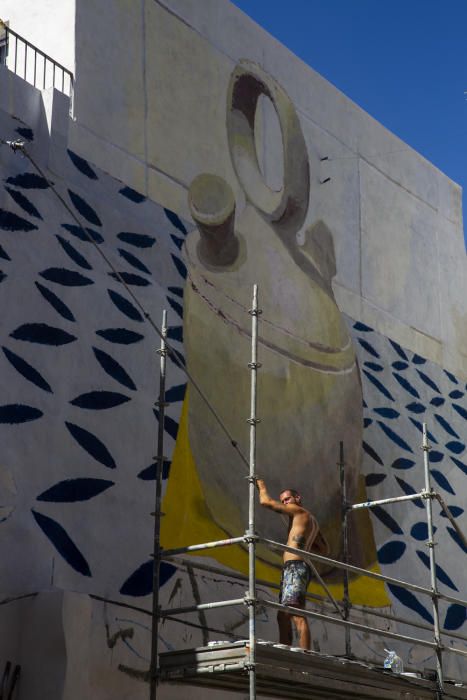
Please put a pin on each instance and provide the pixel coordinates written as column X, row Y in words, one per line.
column 366, row 283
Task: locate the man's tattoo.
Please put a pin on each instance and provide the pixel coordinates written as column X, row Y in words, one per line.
column 300, row 540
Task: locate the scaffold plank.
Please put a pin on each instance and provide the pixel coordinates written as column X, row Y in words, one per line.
column 285, row 673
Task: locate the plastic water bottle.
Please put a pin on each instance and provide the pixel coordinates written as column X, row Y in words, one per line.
column 393, row 661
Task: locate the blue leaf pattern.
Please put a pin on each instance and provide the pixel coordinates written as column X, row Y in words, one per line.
column 62, row 543
column 73, row 490
column 26, row 370
column 92, row 445
column 43, row 334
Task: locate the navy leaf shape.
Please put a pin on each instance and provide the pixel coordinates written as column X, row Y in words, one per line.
column 141, row 581
column 67, row 278
column 456, row 615
column 367, row 422
column 55, row 302
column 406, row 385
column 387, row 413
column 114, row 369
column 429, row 382
column 460, row 410
column 73, row 253
column 450, row 376
column 25, row 132
column 80, row 233
column 132, row 195
column 43, row 334
column 359, row 326
column 456, row 394
column 73, row 490
column 391, row 552
column 437, row 401
column 456, row 447
column 18, row 413
column 399, row 365
column 29, row 181
column 368, row 347
column 176, row 393
column 120, row 335
column 387, row 520
column 399, row 350
column 99, row 400
column 180, row 265
column 435, row 456
column 82, row 165
column 454, row 510
column 175, row 221
column 419, row 531
column 133, row 260
column 62, row 543
column 23, row 202
column 408, row 489
column 408, row 599
column 4, row 254
column 139, row 240
column 457, row 539
column 402, row 463
column 25, row 369
column 373, row 454
column 461, row 465
column 149, row 473
column 442, row 481
column 373, row 366
column 448, row 428
column 416, row 407
column 177, row 358
column 84, row 209
column 394, row 436
column 130, row 278
column 418, row 360
column 440, row 572
column 12, row 222
column 92, row 445
column 125, row 306
column 176, row 307
column 175, row 333
column 178, row 291
column 3, row 276
column 378, row 385
column 374, row 479
column 178, row 241
column 170, row 426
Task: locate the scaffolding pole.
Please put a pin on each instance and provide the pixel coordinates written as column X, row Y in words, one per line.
column 431, row 546
column 161, row 404
column 251, row 532
column 345, row 548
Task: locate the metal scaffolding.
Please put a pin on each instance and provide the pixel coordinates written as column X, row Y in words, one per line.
column 251, row 540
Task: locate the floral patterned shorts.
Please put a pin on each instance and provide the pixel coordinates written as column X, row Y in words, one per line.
column 295, row 578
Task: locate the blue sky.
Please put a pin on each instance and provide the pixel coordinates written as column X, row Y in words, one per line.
column 403, row 61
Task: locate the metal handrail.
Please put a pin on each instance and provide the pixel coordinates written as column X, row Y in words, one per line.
column 30, row 71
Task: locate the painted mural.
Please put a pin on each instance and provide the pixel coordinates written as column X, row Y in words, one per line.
column 80, row 377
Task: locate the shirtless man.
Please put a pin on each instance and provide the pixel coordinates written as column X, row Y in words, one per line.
column 303, row 533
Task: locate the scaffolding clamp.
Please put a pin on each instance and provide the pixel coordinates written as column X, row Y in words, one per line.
column 431, row 544
column 248, row 600
column 253, row 421
column 254, row 365
column 161, row 403
column 249, row 538
column 14, row 145
column 255, row 312
column 427, row 494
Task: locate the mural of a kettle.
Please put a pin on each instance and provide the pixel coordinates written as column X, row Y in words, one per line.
column 309, row 391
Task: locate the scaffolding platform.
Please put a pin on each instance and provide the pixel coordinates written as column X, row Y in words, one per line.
column 293, row 673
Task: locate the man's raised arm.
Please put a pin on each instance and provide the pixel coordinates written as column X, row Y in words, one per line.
column 268, row 502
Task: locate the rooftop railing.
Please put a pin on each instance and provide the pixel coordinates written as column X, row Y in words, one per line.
column 32, row 64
